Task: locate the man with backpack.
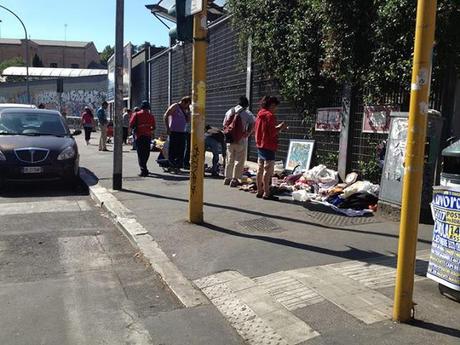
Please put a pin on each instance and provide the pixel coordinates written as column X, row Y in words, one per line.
column 238, row 126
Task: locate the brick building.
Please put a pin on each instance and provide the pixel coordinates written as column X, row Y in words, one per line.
column 62, row 54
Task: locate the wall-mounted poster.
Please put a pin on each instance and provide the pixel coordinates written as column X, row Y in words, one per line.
column 300, row 153
column 329, row 119
column 376, row 118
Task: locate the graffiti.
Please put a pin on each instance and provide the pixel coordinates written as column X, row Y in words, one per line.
column 72, row 101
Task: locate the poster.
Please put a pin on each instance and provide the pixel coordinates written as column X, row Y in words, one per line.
column 300, row 153
column 444, row 265
column 126, row 74
column 329, row 119
column 376, row 118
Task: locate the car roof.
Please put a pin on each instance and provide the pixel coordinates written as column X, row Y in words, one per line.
column 16, row 105
column 29, row 111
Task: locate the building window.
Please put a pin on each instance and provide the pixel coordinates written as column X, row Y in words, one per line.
column 74, row 65
column 53, row 64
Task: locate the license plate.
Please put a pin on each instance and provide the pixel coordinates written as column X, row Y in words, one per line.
column 32, row 170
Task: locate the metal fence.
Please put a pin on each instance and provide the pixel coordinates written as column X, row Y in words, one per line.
column 227, row 75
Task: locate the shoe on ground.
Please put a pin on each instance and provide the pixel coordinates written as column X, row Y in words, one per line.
column 234, row 183
column 227, row 181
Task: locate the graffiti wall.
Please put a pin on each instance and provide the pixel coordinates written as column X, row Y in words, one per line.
column 78, row 93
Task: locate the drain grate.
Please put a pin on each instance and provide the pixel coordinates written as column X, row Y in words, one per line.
column 260, row 225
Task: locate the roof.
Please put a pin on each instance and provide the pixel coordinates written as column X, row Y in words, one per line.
column 10, row 41
column 53, row 72
column 75, row 44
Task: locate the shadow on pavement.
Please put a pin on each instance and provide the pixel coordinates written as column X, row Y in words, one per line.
column 267, row 215
column 435, row 328
column 350, row 254
column 43, row 189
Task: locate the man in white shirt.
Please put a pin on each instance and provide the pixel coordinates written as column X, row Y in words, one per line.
column 236, row 149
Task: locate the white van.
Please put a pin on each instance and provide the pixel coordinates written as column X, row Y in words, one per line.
column 16, row 105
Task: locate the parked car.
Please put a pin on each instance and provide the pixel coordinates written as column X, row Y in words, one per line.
column 36, row 144
column 16, row 105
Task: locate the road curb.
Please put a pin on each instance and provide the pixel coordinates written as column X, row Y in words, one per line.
column 184, row 290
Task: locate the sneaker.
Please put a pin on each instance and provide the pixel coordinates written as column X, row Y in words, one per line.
column 234, row 183
column 227, row 181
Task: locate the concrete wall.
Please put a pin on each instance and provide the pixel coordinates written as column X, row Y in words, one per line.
column 78, row 92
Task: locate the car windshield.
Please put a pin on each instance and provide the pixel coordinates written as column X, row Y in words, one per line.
column 33, row 124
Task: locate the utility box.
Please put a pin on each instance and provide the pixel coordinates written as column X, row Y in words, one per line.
column 390, row 197
column 450, row 175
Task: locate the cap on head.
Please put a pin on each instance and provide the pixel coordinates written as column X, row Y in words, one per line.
column 136, row 109
column 145, row 105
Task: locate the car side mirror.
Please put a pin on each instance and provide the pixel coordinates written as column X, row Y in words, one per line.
column 76, row 132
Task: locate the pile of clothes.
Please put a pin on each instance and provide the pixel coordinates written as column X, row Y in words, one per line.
column 322, row 185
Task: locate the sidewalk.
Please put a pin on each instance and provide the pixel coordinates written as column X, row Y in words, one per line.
column 287, row 264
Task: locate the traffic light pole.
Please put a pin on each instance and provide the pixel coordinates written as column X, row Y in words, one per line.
column 118, row 120
column 414, row 162
column 200, row 44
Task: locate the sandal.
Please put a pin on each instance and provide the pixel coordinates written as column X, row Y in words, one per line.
column 271, row 197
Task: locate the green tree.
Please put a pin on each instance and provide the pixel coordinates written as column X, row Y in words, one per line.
column 311, row 45
column 106, row 54
column 17, row 61
column 36, row 61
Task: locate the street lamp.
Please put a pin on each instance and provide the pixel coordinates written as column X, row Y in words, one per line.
column 27, row 51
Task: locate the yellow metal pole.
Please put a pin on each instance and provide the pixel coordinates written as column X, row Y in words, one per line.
column 197, row 153
column 414, row 162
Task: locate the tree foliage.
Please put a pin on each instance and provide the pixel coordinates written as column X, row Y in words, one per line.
column 312, row 45
column 36, row 61
column 106, row 54
column 14, row 62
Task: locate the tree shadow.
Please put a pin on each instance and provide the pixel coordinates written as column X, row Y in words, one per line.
column 272, row 216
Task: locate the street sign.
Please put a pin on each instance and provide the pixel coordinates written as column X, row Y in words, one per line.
column 193, row 7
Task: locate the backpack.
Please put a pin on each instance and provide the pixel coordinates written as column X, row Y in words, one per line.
column 233, row 128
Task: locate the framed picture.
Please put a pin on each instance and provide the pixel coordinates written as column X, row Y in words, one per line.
column 300, row 153
column 329, row 119
column 376, row 118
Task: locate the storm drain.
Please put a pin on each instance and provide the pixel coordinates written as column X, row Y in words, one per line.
column 260, row 225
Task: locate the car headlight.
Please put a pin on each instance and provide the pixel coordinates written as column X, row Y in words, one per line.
column 2, row 156
column 67, row 153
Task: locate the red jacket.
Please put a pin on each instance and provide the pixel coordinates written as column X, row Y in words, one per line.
column 265, row 131
column 143, row 123
column 87, row 117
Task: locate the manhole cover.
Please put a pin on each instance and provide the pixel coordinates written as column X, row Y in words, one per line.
column 260, row 224
column 324, row 215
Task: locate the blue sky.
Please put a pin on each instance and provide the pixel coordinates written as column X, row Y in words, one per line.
column 87, row 20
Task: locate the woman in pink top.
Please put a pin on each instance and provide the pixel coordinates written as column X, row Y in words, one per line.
column 176, row 118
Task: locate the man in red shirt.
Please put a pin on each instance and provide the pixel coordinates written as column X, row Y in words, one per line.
column 143, row 123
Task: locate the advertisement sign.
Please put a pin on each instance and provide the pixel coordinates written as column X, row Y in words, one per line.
column 126, row 74
column 376, row 118
column 329, row 119
column 444, row 266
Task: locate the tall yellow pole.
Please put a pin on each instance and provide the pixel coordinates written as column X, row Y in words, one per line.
column 197, row 153
column 414, row 162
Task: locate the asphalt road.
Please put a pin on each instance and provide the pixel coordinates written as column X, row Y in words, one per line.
column 67, row 276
